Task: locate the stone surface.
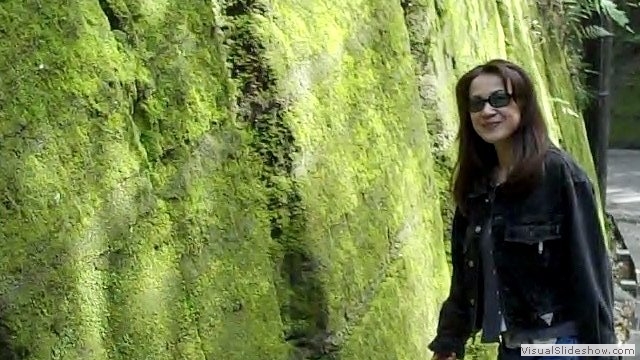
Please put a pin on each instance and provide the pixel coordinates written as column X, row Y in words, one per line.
column 623, row 203
column 623, row 190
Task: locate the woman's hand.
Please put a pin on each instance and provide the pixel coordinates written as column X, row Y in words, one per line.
column 449, row 356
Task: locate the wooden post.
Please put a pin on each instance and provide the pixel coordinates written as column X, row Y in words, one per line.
column 598, row 54
column 604, row 105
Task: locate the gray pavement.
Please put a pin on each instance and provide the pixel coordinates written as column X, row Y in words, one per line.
column 623, row 197
column 623, row 203
column 623, row 191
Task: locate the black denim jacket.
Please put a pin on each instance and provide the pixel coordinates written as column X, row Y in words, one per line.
column 568, row 274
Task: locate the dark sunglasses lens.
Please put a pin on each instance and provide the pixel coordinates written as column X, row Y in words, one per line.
column 476, row 105
column 499, row 100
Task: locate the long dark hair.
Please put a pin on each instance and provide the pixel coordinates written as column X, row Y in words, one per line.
column 477, row 158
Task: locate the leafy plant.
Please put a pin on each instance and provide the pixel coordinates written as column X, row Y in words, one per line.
column 571, row 23
column 569, row 17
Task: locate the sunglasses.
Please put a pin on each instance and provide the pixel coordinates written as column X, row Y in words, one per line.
column 497, row 99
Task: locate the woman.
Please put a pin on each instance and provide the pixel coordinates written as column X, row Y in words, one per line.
column 529, row 258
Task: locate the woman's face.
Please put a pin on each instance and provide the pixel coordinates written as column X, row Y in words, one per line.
column 494, row 124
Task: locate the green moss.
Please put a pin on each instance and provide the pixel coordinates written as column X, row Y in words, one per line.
column 134, row 223
column 398, row 322
column 357, row 124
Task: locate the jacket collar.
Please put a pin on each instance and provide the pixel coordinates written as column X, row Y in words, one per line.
column 480, row 188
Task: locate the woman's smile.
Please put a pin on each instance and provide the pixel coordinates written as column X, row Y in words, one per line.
column 492, row 122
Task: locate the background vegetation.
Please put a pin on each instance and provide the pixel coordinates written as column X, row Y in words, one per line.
column 625, row 120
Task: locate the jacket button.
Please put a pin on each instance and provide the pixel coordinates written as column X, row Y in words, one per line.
column 470, row 263
column 478, row 228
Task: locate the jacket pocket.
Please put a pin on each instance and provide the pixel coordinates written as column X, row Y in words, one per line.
column 532, row 233
column 527, row 239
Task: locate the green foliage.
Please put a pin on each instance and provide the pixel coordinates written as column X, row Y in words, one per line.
column 610, row 9
column 569, row 23
column 633, row 39
column 572, row 14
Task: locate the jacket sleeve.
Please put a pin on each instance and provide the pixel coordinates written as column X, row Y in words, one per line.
column 454, row 324
column 591, row 272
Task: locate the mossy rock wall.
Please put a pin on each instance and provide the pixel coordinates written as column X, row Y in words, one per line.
column 239, row 179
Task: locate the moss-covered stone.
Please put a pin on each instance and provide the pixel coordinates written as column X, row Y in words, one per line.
column 134, row 224
column 240, row 179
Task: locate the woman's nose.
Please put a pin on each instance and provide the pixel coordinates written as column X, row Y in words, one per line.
column 487, row 109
